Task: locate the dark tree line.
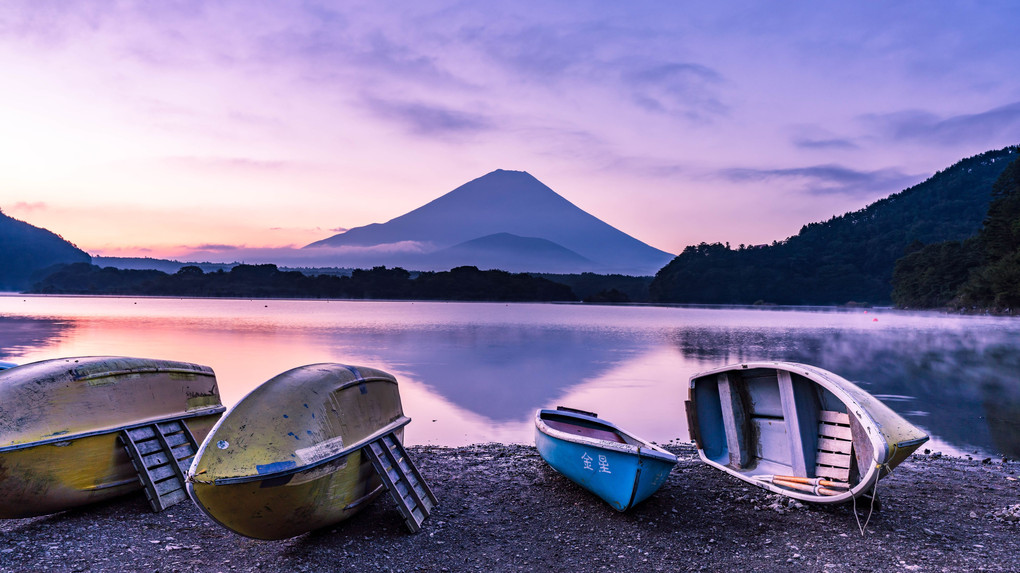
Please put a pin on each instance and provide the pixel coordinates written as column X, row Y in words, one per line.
column 981, row 272
column 849, row 258
column 267, row 281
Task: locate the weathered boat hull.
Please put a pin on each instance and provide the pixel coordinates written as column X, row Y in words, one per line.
column 616, row 466
column 60, row 420
column 287, row 458
column 797, row 430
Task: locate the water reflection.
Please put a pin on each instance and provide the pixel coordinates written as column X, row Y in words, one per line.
column 19, row 334
column 477, row 372
column 498, row 371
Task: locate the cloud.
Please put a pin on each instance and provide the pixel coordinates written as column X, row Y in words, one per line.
column 428, row 120
column 829, row 179
column 26, row 207
column 684, row 89
column 831, row 143
column 416, row 247
column 927, row 127
column 539, row 51
column 351, row 256
column 231, row 164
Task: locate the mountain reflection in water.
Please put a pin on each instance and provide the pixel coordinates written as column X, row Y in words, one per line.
column 476, row 372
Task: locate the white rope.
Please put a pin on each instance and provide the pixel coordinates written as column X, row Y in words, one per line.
column 871, row 511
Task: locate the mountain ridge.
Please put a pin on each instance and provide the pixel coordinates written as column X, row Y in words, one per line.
column 27, row 250
column 512, row 202
column 850, row 257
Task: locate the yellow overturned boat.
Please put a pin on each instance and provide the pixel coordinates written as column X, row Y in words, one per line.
column 307, row 449
column 63, row 423
column 797, row 430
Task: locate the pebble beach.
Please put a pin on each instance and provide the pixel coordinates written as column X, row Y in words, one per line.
column 501, row 508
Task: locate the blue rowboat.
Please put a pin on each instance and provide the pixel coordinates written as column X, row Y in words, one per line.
column 617, row 466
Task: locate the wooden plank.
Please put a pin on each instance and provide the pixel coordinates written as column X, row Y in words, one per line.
column 166, row 486
column 834, row 417
column 863, row 449
column 831, row 472
column 837, row 460
column 147, row 447
column 795, row 439
column 182, row 451
column 734, row 422
column 143, row 433
column 176, row 439
column 173, row 498
column 157, row 459
column 170, row 427
column 833, row 431
column 161, row 473
column 833, row 445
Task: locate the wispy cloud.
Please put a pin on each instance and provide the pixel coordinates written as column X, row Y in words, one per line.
column 28, row 207
column 429, row 120
column 232, row 164
column 685, row 89
column 828, row 179
column 390, row 253
column 824, row 144
column 926, row 127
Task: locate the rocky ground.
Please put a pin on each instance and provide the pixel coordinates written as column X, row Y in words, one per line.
column 501, row 508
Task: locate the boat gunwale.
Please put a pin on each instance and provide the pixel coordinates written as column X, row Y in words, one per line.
column 832, row 382
column 116, row 429
column 645, row 450
column 203, row 371
column 360, row 444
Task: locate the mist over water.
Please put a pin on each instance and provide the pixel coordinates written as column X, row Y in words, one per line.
column 476, row 372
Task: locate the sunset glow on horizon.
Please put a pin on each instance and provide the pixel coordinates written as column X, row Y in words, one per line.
column 224, row 128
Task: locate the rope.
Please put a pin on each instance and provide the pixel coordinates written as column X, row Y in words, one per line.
column 871, row 511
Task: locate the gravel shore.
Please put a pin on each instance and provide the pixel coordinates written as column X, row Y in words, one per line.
column 501, row 508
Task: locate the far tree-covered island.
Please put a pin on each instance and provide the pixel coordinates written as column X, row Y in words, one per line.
column 268, row 281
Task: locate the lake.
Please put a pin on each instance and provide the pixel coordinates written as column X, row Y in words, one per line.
column 476, row 372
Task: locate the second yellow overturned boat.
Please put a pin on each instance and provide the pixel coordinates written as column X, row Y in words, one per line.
column 797, row 430
column 307, row 449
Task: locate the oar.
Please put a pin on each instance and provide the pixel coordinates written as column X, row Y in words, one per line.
column 814, row 481
column 810, row 485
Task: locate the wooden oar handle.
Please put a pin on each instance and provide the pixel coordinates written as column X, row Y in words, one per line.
column 813, row 481
column 815, row 489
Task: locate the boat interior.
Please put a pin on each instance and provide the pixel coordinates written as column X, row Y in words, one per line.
column 577, row 426
column 773, row 422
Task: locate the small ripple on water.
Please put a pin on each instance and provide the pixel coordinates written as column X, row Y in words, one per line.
column 894, row 397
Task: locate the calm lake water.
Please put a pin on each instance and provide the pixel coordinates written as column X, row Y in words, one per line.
column 476, row 372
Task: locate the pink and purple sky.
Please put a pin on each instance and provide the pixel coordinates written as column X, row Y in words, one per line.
column 239, row 127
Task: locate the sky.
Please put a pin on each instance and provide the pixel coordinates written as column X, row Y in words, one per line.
column 240, row 128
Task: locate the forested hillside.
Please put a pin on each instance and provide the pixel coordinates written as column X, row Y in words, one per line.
column 847, row 258
column 26, row 250
column 981, row 272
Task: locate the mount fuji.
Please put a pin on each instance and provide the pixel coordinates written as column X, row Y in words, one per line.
column 507, row 220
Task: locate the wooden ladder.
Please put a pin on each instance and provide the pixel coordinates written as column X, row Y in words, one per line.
column 835, row 442
column 413, row 497
column 161, row 454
